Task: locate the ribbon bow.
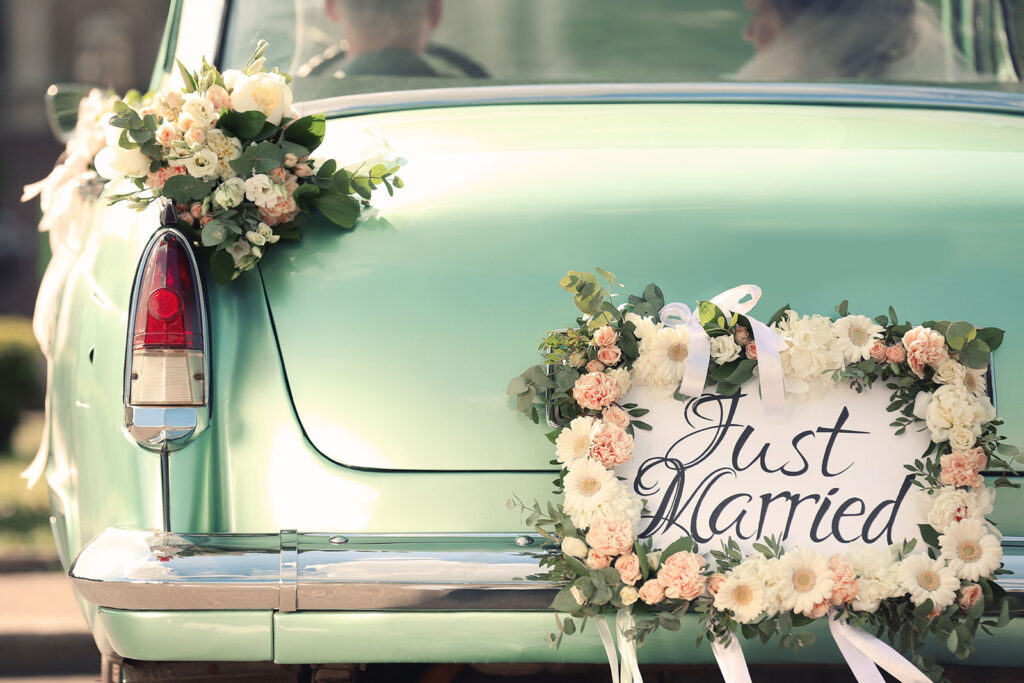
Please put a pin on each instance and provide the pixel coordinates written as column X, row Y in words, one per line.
column 769, row 363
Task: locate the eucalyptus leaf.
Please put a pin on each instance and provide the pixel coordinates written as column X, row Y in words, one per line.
column 975, row 354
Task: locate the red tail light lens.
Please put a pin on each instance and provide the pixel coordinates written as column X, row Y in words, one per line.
column 166, row 361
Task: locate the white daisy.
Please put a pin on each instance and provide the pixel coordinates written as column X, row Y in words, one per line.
column 928, row 579
column 974, row 381
column 766, row 572
column 972, row 552
column 743, row 595
column 589, row 488
column 574, row 441
column 664, row 361
column 805, row 580
column 855, row 335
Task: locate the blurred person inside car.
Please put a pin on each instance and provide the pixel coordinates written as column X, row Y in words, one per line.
column 883, row 40
column 385, row 37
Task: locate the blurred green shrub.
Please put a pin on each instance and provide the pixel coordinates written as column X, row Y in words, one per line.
column 21, row 374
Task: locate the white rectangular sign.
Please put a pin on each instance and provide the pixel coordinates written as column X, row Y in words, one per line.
column 829, row 475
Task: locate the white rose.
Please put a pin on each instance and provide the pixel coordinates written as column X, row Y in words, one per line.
column 628, row 595
column 115, row 162
column 202, row 165
column 263, row 92
column 961, row 438
column 199, row 109
column 239, row 249
column 261, row 190
column 256, row 238
column 574, row 547
column 949, row 372
column 724, row 349
column 952, row 405
column 230, row 193
column 268, row 233
column 921, row 402
column 654, row 560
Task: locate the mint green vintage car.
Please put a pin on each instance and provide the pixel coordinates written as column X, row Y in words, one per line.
column 323, row 482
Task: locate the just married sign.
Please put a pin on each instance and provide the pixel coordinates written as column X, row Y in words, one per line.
column 766, row 474
column 831, row 474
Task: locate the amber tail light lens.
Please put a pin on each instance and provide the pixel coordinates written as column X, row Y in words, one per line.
column 167, row 360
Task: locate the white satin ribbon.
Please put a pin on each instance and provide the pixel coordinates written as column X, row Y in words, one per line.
column 864, row 654
column 731, row 661
column 628, row 670
column 769, row 363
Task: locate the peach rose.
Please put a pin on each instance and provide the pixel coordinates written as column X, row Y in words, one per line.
column 751, row 350
column 205, row 219
column 282, row 211
column 924, row 347
column 961, row 468
column 615, row 415
column 611, row 446
column 715, row 582
column 218, row 97
column 595, row 366
column 844, row 580
column 609, row 355
column 610, row 536
column 303, row 170
column 159, row 179
column 596, row 560
column 595, row 390
column 877, row 351
column 896, row 354
column 195, row 135
column 969, row 596
column 606, row 336
column 819, row 610
column 196, row 210
column 629, row 568
column 652, row 592
column 680, row 575
column 166, row 135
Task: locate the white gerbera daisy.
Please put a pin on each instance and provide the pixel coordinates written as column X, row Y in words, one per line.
column 589, row 488
column 971, row 551
column 928, row 579
column 805, row 580
column 664, row 361
column 574, row 441
column 855, row 335
column 766, row 572
column 974, row 381
column 743, row 595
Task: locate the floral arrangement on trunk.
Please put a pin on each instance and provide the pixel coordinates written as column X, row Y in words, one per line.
column 234, row 157
column 936, row 372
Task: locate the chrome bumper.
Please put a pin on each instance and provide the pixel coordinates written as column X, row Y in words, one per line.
column 289, row 571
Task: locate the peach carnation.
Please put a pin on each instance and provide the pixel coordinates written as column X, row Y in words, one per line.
column 924, row 347
column 961, row 468
column 680, row 575
column 896, row 354
column 609, row 355
column 844, row 580
column 595, row 390
column 629, row 568
column 652, row 592
column 159, row 179
column 606, row 336
column 611, row 445
column 877, row 351
column 596, row 560
column 969, row 596
column 610, row 536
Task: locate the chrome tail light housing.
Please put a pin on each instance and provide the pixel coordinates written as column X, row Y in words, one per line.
column 167, row 359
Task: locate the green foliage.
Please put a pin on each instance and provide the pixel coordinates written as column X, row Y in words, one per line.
column 308, row 131
column 22, row 371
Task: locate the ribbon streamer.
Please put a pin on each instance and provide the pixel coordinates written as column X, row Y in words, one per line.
column 628, row 670
column 864, row 654
column 730, row 659
column 769, row 346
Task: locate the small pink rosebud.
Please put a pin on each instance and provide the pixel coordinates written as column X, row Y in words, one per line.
column 595, row 366
column 878, row 351
column 303, row 170
column 751, row 350
column 196, row 210
column 290, row 160
column 896, row 354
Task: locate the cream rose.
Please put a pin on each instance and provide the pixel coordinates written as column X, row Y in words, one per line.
column 202, row 165
column 724, row 349
column 267, row 93
column 574, row 547
column 628, row 595
column 200, row 110
column 230, row 193
column 114, row 162
column 949, row 372
column 961, row 438
column 261, row 190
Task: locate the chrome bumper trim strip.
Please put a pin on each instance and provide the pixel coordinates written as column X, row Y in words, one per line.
column 291, row 571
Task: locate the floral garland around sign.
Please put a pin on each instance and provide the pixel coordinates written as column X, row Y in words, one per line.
column 936, row 372
column 234, row 157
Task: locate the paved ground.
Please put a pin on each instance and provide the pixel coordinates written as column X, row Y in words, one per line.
column 42, row 632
